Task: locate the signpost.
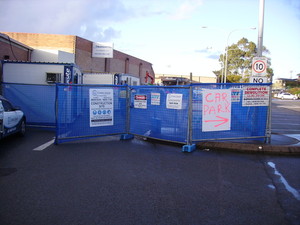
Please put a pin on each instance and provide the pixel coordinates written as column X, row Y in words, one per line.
column 259, row 70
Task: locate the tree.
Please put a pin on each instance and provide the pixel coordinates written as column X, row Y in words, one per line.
column 239, row 62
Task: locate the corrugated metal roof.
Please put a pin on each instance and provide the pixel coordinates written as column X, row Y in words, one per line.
column 29, row 62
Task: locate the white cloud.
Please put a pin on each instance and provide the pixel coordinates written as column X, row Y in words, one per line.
column 186, row 8
column 92, row 19
column 195, row 63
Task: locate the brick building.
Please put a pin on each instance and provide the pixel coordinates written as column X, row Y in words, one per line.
column 80, row 48
column 162, row 79
column 11, row 49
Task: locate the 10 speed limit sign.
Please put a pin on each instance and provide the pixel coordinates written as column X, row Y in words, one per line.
column 259, row 66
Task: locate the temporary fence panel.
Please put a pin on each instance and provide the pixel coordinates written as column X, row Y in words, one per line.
column 184, row 114
column 229, row 111
column 160, row 112
column 37, row 101
column 85, row 111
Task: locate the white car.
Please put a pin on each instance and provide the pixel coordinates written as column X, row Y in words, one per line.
column 279, row 95
column 12, row 119
column 288, row 96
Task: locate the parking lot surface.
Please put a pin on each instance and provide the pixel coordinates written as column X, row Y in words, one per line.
column 108, row 181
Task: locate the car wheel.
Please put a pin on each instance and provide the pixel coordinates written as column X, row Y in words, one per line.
column 23, row 128
column 282, row 98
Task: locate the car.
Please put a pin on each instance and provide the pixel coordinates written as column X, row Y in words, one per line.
column 279, row 95
column 12, row 119
column 288, row 96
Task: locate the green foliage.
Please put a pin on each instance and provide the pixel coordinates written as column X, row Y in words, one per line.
column 292, row 84
column 239, row 61
column 233, row 78
column 295, row 91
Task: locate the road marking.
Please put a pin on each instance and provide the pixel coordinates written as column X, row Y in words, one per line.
column 296, row 136
column 44, row 146
column 288, row 107
column 290, row 189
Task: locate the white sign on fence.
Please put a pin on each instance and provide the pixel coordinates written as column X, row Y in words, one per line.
column 155, row 98
column 235, row 94
column 101, row 107
column 216, row 110
column 256, row 95
column 174, row 101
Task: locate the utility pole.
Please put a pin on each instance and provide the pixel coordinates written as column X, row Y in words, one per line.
column 260, row 28
column 259, row 54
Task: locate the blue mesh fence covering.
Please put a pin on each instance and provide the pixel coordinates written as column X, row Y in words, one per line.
column 90, row 111
column 211, row 112
column 37, row 101
column 159, row 112
column 247, row 115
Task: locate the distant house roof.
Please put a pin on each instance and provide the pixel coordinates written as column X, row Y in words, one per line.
column 287, row 79
column 29, row 62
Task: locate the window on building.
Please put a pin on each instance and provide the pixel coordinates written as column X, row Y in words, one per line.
column 53, row 78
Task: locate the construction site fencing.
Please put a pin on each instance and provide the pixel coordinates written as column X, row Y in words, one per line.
column 36, row 101
column 183, row 114
column 84, row 111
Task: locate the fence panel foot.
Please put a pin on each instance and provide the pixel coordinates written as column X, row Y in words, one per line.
column 126, row 136
column 188, row 148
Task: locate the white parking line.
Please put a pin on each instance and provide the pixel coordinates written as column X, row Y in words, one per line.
column 289, row 188
column 44, row 146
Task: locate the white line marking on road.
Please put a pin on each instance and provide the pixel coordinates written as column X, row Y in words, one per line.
column 292, row 190
column 296, row 136
column 44, row 146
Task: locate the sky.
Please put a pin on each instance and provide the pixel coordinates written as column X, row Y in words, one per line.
column 176, row 36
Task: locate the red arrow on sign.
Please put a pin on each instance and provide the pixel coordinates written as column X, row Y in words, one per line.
column 222, row 119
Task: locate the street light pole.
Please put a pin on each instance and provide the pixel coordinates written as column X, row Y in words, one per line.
column 260, row 28
column 224, row 71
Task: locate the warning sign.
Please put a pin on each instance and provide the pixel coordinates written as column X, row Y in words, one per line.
column 140, row 101
column 256, row 95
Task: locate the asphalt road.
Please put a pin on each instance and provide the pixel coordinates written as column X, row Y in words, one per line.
column 285, row 116
column 107, row 181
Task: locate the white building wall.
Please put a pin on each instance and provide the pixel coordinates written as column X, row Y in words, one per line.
column 29, row 73
column 46, row 55
column 65, row 57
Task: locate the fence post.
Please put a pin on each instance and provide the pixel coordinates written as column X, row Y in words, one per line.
column 189, row 147
column 269, row 117
column 127, row 122
column 56, row 142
